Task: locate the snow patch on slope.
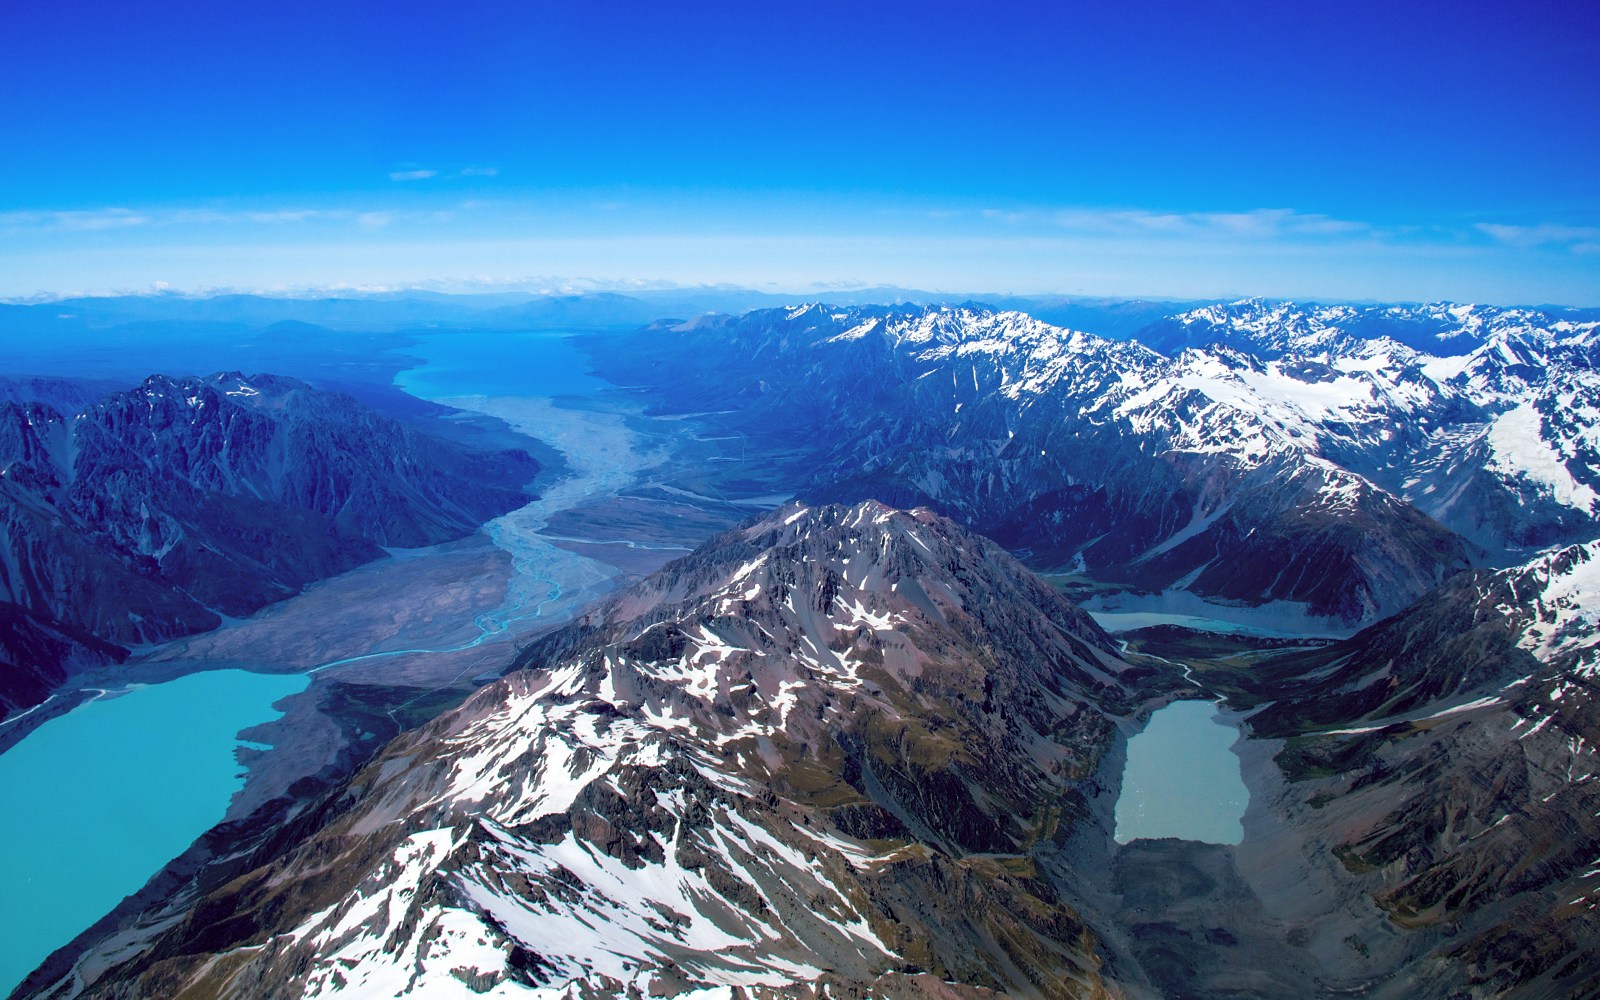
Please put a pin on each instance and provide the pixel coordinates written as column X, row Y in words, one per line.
column 1521, row 449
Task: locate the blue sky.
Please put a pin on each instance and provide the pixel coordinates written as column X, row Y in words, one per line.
column 1331, row 150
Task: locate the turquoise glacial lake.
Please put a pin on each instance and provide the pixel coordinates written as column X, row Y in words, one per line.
column 94, row 802
column 1182, row 779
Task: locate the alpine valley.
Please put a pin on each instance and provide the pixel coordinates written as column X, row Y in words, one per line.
column 152, row 512
column 800, row 651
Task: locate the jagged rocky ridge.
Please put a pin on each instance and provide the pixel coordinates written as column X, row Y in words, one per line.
column 1090, row 453
column 844, row 745
column 153, row 511
column 1272, row 329
column 1441, row 765
column 1487, row 419
column 1347, row 458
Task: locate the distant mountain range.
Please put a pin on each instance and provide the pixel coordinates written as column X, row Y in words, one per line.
column 854, row 748
column 152, row 512
column 1294, row 454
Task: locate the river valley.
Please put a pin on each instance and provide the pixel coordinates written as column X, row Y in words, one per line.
column 308, row 686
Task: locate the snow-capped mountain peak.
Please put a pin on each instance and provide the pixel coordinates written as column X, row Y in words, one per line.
column 776, row 761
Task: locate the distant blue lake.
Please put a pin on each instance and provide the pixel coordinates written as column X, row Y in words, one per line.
column 96, row 801
column 494, row 363
column 1182, row 779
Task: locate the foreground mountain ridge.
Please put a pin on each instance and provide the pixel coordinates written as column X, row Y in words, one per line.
column 858, row 750
column 843, row 746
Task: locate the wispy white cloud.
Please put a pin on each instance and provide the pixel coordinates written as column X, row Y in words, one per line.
column 696, row 237
column 212, row 216
column 285, row 216
column 1578, row 239
column 1012, row 217
column 89, row 220
column 1262, row 224
column 429, row 173
column 84, row 220
column 64, row 223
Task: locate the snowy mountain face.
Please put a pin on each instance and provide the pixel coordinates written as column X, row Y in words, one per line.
column 1486, row 419
column 1255, row 326
column 1309, row 454
column 1272, row 329
column 1204, row 472
column 1553, row 604
column 150, row 511
column 843, row 746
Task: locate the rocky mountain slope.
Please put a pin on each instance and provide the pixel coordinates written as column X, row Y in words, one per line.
column 1486, row 419
column 153, row 511
column 37, row 653
column 1441, row 767
column 1100, row 455
column 843, row 746
column 1348, row 458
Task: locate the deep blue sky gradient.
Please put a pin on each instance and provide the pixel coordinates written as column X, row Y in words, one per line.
column 1469, row 128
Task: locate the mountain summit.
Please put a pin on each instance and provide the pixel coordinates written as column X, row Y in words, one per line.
column 842, row 745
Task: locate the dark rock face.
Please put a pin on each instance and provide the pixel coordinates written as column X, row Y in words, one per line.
column 1079, row 449
column 151, row 511
column 841, row 747
column 37, row 653
column 1442, row 763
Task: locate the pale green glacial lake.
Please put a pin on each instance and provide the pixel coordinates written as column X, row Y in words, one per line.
column 1182, row 779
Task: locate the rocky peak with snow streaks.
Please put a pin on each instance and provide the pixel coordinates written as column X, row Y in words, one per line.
column 841, row 745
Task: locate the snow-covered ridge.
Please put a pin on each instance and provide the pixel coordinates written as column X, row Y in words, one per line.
column 1216, row 401
column 1557, row 602
column 1440, row 328
column 1510, row 393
